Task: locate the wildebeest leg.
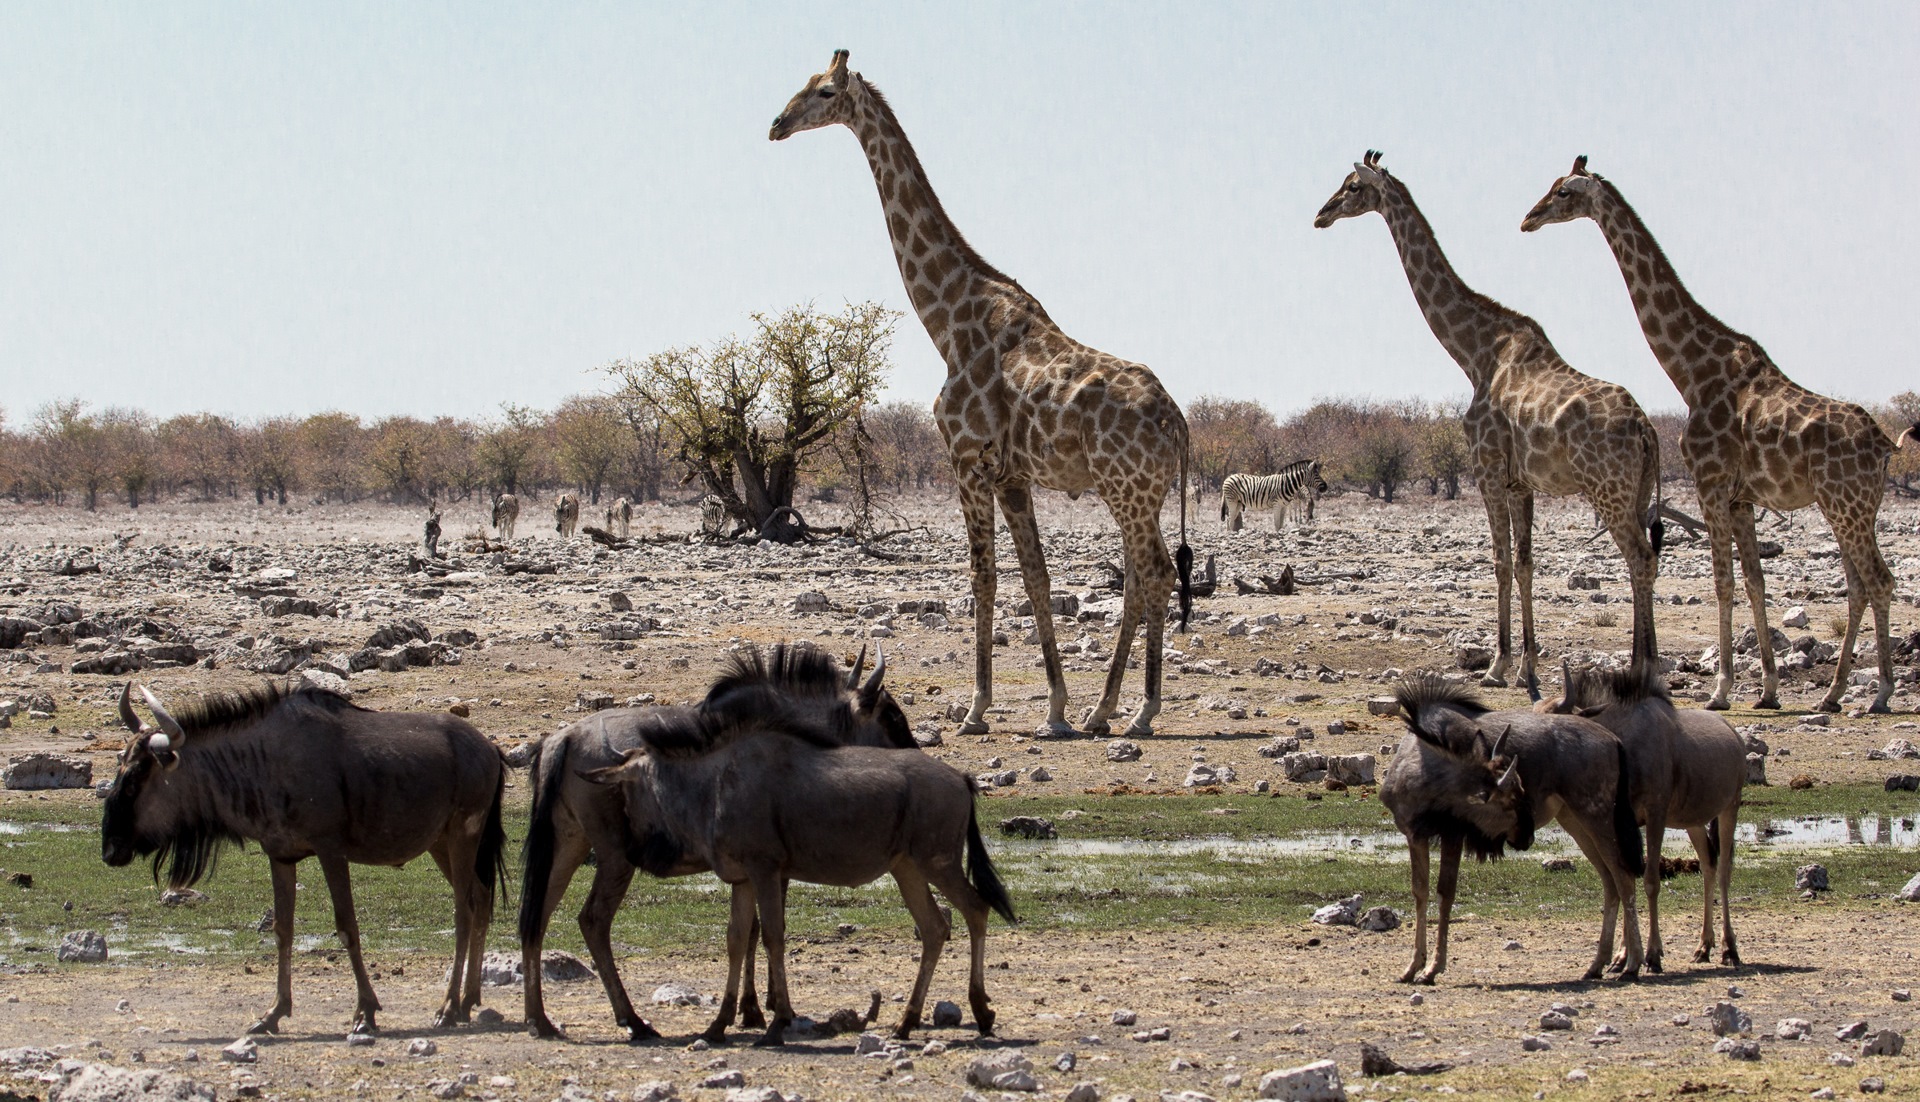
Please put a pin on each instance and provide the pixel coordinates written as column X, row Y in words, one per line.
column 770, row 896
column 933, row 935
column 1618, row 890
column 1417, row 853
column 283, row 904
column 1449, row 881
column 1729, row 819
column 340, row 887
column 953, row 884
column 570, row 852
column 611, row 878
column 1656, row 833
column 751, row 1016
column 463, row 981
column 1708, row 873
column 740, row 931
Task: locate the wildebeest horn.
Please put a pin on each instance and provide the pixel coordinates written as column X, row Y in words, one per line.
column 126, row 710
column 879, row 671
column 159, row 710
column 1500, row 744
column 853, row 678
column 1512, row 776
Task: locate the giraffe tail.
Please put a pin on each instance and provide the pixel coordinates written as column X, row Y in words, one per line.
column 1656, row 527
column 1183, row 558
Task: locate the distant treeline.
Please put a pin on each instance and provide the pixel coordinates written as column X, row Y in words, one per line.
column 605, row 446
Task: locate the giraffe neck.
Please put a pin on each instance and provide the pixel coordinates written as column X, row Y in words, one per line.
column 1466, row 323
column 1682, row 334
column 937, row 265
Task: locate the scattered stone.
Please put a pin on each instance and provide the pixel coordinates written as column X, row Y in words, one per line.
column 1380, row 919
column 1374, row 1062
column 1124, row 1017
column 1726, row 1018
column 1796, row 617
column 1028, row 826
column 1531, row 1043
column 1344, row 913
column 1886, row 1042
column 1811, row 878
column 448, row 1088
column 1065, row 1063
column 83, row 947
column 1554, row 1021
column 1006, row 1070
column 679, row 994
column 1315, row 1082
column 946, row 1015
column 26, row 772
column 1852, row 1031
column 811, row 600
column 721, row 1080
column 1084, row 1092
column 1737, row 1048
column 1123, row 750
column 1557, row 864
column 75, row 1081
column 360, row 1040
column 1910, row 893
column 1902, row 995
column 654, row 1090
column 1873, row 1084
column 421, row 1046
column 1756, row 768
column 242, row 1051
column 1793, row 1029
column 1383, row 705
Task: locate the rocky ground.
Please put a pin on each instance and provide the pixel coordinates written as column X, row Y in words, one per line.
column 195, row 597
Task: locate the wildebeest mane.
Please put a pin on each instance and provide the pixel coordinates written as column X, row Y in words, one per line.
column 1595, row 688
column 1440, row 823
column 752, row 709
column 1425, row 689
column 798, row 668
column 222, row 711
column 191, row 850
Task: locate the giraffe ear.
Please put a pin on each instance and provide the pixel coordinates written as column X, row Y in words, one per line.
column 837, row 71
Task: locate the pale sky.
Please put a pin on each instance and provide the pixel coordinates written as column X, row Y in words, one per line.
column 436, row 208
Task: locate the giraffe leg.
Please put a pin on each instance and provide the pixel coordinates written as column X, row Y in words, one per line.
column 1097, row 720
column 1748, row 545
column 1500, row 520
column 1523, row 576
column 1713, row 512
column 976, row 504
column 1148, row 559
column 1869, row 582
column 1017, row 503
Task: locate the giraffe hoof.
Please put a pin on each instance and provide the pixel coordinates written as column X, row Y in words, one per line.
column 974, row 727
column 1097, row 727
column 1769, row 702
column 1716, row 705
column 1878, row 708
column 1827, row 706
column 1492, row 682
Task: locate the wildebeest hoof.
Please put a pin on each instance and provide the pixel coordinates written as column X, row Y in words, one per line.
column 1878, row 708
column 1654, row 965
column 1702, row 955
column 771, row 1039
column 642, row 1032
column 545, row 1030
column 984, row 1019
column 974, row 727
column 752, row 1017
column 716, row 1034
column 1730, row 956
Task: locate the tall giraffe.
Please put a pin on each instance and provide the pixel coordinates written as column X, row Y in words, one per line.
column 1023, row 405
column 1753, row 437
column 1534, row 425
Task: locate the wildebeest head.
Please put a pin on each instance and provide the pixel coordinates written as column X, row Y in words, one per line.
column 650, row 846
column 1494, row 801
column 151, row 807
column 874, row 706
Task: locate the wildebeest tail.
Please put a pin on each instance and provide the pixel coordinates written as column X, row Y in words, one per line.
column 1625, row 830
column 490, row 861
column 981, row 873
column 1713, row 837
column 536, row 857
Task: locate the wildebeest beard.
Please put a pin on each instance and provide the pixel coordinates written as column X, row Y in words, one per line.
column 1443, row 824
column 657, row 853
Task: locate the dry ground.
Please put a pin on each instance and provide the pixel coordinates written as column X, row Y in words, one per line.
column 1424, row 565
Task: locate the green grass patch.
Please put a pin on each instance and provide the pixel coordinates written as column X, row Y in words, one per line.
column 1132, row 862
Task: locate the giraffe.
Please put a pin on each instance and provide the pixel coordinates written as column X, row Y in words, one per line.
column 1023, row 405
column 1753, row 438
column 1534, row 425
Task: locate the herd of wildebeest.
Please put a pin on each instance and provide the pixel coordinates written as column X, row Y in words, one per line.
column 794, row 768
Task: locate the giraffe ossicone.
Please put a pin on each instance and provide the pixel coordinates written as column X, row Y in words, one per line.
column 1024, row 405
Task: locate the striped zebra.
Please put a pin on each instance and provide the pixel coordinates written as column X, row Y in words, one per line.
column 1259, row 492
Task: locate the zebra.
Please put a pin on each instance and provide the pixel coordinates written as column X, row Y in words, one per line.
column 1241, row 492
column 566, row 514
column 506, row 510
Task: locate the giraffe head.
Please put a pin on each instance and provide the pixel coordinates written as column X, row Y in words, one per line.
column 1363, row 190
column 1570, row 197
column 822, row 101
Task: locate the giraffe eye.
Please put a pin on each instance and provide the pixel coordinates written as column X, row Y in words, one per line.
column 1564, row 193
column 826, row 93
column 1353, row 185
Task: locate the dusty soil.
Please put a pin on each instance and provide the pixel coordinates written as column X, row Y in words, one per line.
column 543, row 644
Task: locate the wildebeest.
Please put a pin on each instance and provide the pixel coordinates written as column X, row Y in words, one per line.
column 1686, row 768
column 572, row 817
column 620, row 517
column 566, row 514
column 305, row 773
column 768, row 801
column 1482, row 780
column 506, row 511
